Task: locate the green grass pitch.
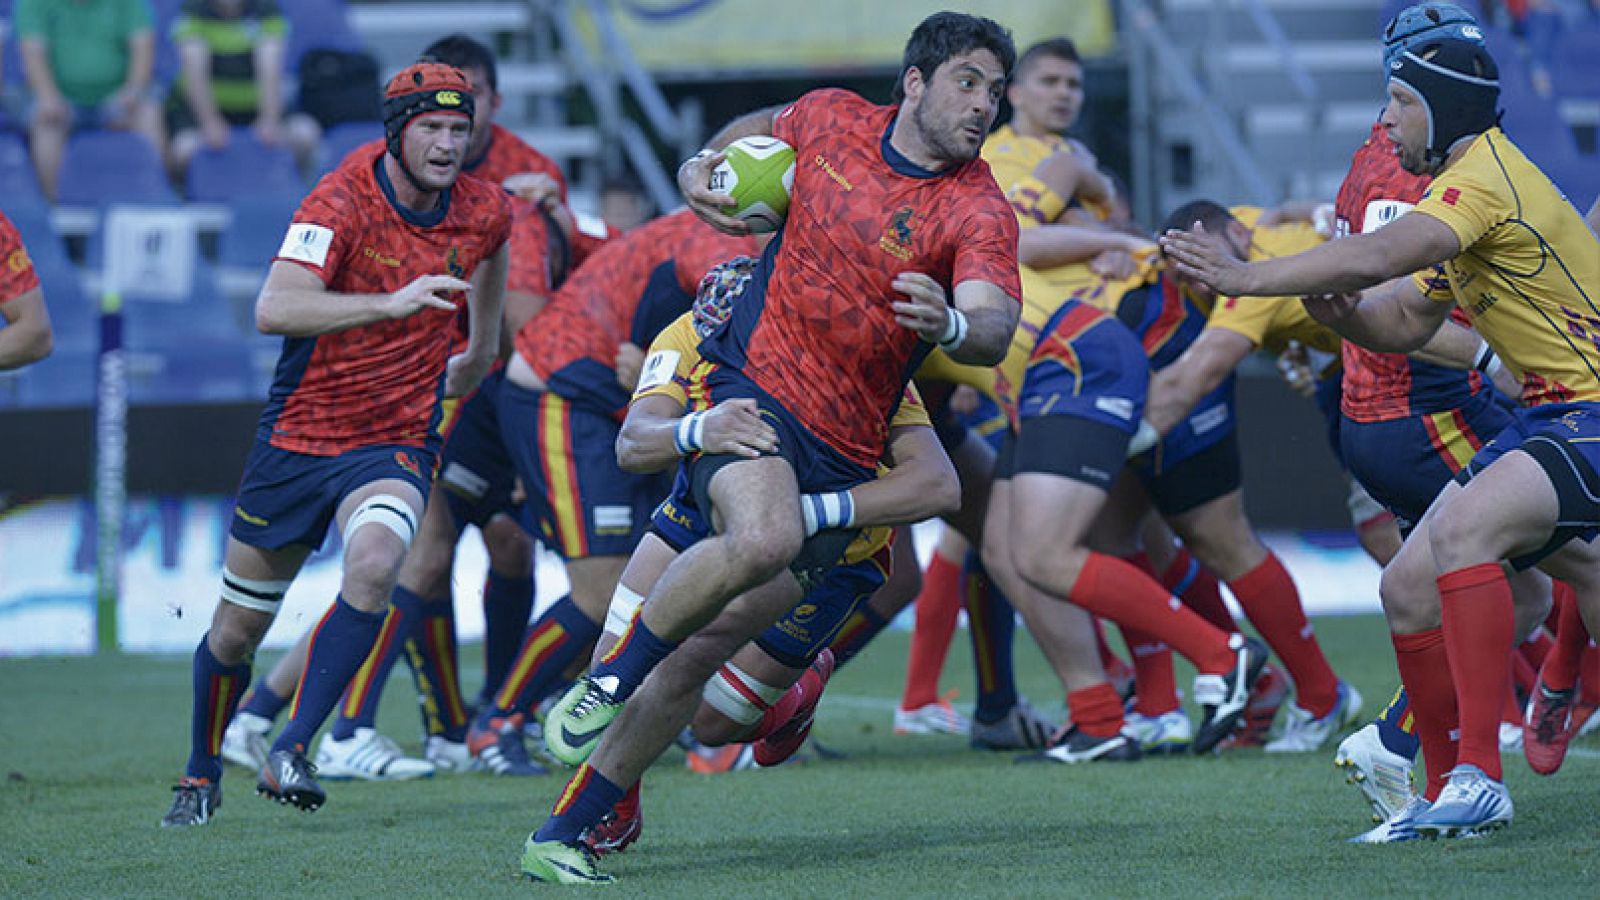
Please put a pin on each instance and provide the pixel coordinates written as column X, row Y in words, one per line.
column 89, row 747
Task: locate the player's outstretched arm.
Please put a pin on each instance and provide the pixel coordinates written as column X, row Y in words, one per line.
column 1409, row 244
column 656, row 433
column 1395, row 317
column 486, row 302
column 1047, row 246
column 1176, row 389
column 27, row 337
column 295, row 303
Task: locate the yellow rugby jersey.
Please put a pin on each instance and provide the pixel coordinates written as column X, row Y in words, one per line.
column 1528, row 275
column 1272, row 322
column 1012, row 158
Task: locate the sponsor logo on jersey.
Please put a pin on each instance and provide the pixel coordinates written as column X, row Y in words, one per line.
column 1381, row 212
column 827, row 167
column 1121, row 407
column 18, row 261
column 452, row 263
column 381, row 258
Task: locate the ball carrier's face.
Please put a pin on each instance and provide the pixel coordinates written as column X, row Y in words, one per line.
column 951, row 112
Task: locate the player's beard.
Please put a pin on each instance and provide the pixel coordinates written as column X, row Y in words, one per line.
column 945, row 142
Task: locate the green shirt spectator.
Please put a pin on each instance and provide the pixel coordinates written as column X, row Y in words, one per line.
column 89, row 42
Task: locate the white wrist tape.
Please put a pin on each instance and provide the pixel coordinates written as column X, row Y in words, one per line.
column 955, row 331
column 836, row 509
column 1143, row 439
column 690, row 434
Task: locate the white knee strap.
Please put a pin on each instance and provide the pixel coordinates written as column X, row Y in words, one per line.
column 624, row 603
column 387, row 510
column 261, row 596
column 736, row 695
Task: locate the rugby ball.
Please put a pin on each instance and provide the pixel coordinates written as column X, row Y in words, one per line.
column 759, row 174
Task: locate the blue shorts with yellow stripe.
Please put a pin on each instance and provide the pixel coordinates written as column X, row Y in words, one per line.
column 582, row 503
column 476, row 475
column 287, row 498
column 1564, row 439
column 677, row 520
column 1405, row 463
column 797, row 638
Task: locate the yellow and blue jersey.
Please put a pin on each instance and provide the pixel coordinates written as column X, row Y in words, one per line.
column 1528, row 274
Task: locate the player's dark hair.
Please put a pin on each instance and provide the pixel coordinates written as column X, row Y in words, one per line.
column 1053, row 48
column 1213, row 215
column 464, row 53
column 946, row 34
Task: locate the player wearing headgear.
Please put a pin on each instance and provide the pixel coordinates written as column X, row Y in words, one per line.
column 365, row 291
column 26, row 337
column 1516, row 256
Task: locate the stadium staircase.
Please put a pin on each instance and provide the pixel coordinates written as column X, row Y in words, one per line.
column 1250, row 100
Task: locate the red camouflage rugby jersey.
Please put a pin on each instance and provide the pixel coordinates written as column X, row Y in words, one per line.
column 816, row 330
column 1381, row 387
column 17, row 275
column 378, row 383
column 572, row 343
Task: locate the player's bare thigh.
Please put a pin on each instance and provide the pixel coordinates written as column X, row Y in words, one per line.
column 1508, row 509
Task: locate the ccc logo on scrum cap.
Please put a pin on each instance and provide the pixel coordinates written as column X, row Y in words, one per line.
column 447, row 98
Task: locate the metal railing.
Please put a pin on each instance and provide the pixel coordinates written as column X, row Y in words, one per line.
column 605, row 65
column 1152, row 55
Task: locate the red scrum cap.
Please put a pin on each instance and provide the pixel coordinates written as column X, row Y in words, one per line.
column 422, row 88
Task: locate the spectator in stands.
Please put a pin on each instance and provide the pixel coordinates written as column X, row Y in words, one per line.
column 231, row 54
column 88, row 65
column 26, row 337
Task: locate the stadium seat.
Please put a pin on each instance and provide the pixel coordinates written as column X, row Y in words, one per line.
column 257, row 230
column 103, row 167
column 338, row 141
column 317, row 24
column 244, row 168
column 18, row 185
column 1577, row 64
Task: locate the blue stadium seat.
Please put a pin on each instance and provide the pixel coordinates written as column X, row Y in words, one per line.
column 65, row 378
column 338, row 141
column 257, row 230
column 18, row 185
column 1576, row 68
column 244, row 168
column 103, row 167
column 314, row 24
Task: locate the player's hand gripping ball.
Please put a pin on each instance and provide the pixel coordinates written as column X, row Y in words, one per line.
column 759, row 174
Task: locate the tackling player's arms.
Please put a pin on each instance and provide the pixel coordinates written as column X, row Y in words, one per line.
column 1394, row 317
column 1409, row 244
column 294, row 302
column 27, row 337
column 921, row 482
column 1176, row 389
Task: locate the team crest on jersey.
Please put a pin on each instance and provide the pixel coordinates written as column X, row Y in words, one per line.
column 452, row 263
column 18, row 261
column 897, row 236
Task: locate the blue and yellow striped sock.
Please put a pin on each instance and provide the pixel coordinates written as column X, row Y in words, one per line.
column 1397, row 728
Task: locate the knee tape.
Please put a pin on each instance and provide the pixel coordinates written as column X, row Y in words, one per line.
column 261, row 596
column 624, row 603
column 387, row 510
column 741, row 698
